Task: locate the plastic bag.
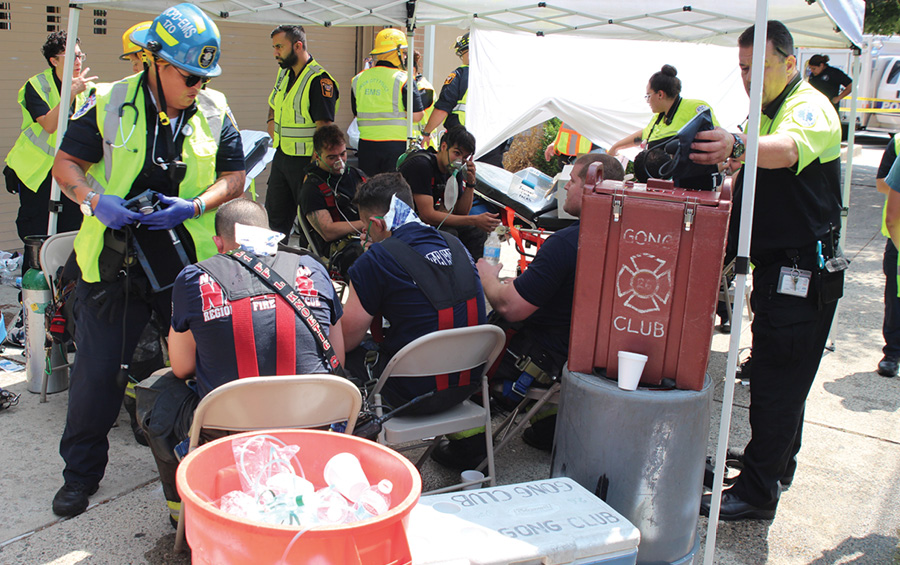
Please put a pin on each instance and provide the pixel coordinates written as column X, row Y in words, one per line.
column 10, row 266
column 260, row 458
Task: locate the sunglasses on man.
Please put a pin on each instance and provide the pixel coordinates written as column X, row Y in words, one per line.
column 192, row 80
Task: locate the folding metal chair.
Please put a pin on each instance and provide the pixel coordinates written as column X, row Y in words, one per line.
column 438, row 353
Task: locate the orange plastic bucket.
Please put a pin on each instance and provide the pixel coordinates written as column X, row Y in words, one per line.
column 216, row 537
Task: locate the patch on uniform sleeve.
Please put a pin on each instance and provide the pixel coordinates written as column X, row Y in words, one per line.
column 231, row 117
column 305, row 287
column 450, row 78
column 702, row 108
column 89, row 103
column 806, row 115
column 327, row 88
column 214, row 303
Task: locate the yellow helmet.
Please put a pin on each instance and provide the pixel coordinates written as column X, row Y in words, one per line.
column 388, row 40
column 128, row 47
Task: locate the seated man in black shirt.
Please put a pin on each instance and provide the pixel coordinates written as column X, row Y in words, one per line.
column 428, row 173
column 326, row 200
column 536, row 310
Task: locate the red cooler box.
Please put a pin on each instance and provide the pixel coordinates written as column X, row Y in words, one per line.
column 647, row 281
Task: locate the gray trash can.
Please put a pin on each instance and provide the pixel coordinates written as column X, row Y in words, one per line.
column 642, row 452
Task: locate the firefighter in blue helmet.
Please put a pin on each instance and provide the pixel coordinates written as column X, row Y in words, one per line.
column 160, row 136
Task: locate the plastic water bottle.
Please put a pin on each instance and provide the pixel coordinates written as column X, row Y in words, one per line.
column 375, row 500
column 492, row 248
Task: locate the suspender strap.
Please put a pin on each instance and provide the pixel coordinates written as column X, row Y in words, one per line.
column 274, row 281
column 285, row 338
column 465, row 377
column 445, row 322
column 244, row 340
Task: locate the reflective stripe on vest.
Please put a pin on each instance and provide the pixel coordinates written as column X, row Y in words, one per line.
column 379, row 110
column 460, row 109
column 294, row 127
column 570, row 142
column 122, row 162
column 32, row 155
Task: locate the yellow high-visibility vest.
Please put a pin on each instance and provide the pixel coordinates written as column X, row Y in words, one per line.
column 32, row 155
column 570, row 142
column 379, row 109
column 294, row 127
column 123, row 158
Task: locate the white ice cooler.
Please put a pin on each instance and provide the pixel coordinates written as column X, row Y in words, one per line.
column 547, row 522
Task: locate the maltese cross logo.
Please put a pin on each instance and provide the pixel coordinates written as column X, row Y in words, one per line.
column 645, row 283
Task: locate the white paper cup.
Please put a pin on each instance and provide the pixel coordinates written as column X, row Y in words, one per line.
column 467, row 476
column 631, row 366
column 345, row 474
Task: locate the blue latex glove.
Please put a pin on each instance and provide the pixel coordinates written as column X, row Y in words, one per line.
column 176, row 211
column 112, row 213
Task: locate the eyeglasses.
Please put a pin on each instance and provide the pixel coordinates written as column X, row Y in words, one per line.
column 79, row 56
column 647, row 97
column 781, row 52
column 191, row 80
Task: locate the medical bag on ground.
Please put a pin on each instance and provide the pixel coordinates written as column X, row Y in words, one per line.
column 647, row 280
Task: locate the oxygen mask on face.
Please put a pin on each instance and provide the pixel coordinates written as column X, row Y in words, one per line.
column 457, row 167
column 451, row 189
column 338, row 167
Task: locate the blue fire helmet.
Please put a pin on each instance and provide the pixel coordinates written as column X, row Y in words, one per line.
column 186, row 37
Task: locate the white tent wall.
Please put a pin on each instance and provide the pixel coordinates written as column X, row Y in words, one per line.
column 595, row 85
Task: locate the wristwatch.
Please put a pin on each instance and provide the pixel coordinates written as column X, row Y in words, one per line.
column 86, row 208
column 738, row 149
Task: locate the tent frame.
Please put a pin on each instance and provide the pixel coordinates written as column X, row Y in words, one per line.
column 742, row 265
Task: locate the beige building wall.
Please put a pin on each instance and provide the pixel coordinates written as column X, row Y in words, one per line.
column 247, row 61
column 445, row 59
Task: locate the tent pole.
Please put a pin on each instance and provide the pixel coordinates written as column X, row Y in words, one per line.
column 848, row 173
column 428, row 49
column 64, row 95
column 410, row 81
column 742, row 268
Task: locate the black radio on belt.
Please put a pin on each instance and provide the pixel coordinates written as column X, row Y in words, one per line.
column 177, row 171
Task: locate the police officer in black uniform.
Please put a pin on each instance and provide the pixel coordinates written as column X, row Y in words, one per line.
column 795, row 231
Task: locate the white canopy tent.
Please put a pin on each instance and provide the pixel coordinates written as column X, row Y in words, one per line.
column 826, row 23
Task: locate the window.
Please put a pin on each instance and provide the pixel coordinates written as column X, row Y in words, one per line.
column 99, row 22
column 53, row 18
column 4, row 15
column 895, row 72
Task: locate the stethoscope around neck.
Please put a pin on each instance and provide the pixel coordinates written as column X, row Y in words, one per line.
column 133, row 105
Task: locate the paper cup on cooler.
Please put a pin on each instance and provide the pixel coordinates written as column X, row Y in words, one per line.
column 631, row 366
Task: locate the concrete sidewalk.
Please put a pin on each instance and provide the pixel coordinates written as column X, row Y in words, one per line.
column 843, row 507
